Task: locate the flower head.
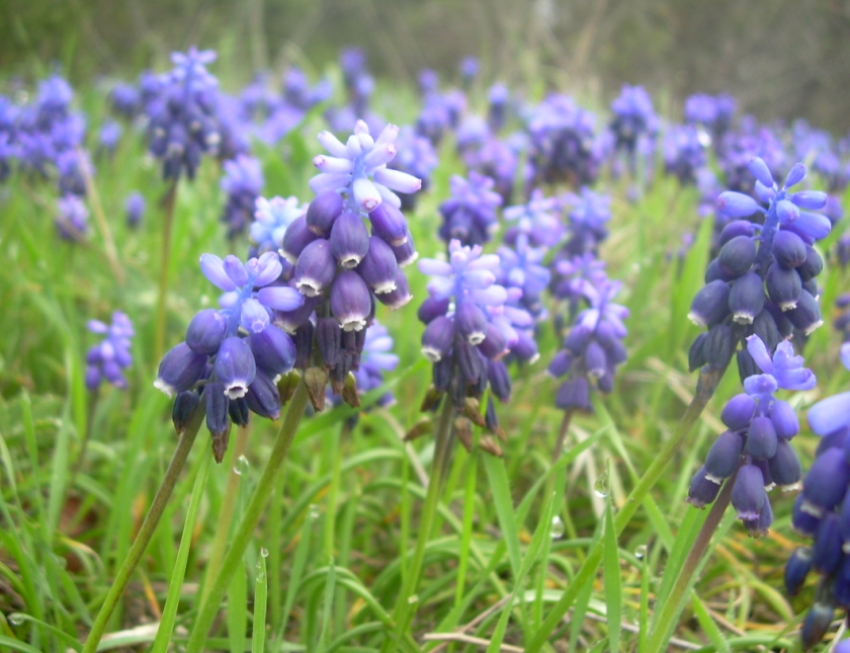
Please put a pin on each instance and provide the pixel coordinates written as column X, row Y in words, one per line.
column 107, row 359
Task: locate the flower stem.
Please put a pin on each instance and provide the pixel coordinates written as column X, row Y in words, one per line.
column 168, row 204
column 100, row 217
column 673, row 604
column 708, row 380
column 406, row 605
column 228, row 504
column 93, row 397
column 163, row 494
column 242, row 538
column 562, row 435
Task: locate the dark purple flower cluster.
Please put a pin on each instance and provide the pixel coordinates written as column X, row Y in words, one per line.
column 184, row 123
column 538, row 220
column 822, row 512
column 714, row 112
column 593, row 346
column 243, row 182
column 756, row 448
column 375, row 359
column 563, row 144
column 125, row 100
column 339, row 267
column 763, row 281
column 107, row 359
column 417, row 157
column 634, row 118
column 469, row 329
column 739, row 147
column 685, row 152
column 233, row 358
column 525, row 278
column 588, row 214
column 469, row 215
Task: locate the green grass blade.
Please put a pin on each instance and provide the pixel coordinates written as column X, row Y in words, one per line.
column 327, row 606
column 708, row 625
column 611, row 573
column 175, row 585
column 499, row 484
column 261, row 590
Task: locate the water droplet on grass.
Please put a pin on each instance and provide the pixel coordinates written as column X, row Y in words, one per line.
column 16, row 618
column 413, row 599
column 264, row 552
column 241, row 465
column 600, row 487
column 640, row 552
column 557, row 529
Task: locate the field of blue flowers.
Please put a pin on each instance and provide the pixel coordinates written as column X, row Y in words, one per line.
column 337, row 365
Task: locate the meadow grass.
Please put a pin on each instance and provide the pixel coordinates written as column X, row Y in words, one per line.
column 336, row 545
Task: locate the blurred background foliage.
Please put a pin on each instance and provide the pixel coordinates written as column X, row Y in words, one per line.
column 780, row 58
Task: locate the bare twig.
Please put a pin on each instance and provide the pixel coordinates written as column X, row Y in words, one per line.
column 468, row 639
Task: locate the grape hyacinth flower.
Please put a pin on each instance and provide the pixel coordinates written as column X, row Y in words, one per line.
column 685, row 152
column 134, row 208
column 375, row 360
column 417, row 157
column 634, row 117
column 110, row 134
column 107, row 359
column 592, row 348
column 822, row 512
column 72, row 219
column 183, row 123
column 125, row 100
column 339, row 267
column 271, row 220
column 469, row 215
column 525, row 279
column 233, row 358
column 589, row 213
column 538, row 219
column 243, row 182
column 469, row 70
column 756, row 445
column 469, row 329
column 763, row 281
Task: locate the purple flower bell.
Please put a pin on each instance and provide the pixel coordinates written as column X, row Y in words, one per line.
column 109, row 358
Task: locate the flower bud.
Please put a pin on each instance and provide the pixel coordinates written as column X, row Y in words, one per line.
column 295, row 239
column 560, row 364
column 329, row 340
column 746, row 365
column 738, row 412
column 760, row 171
column 783, row 286
column 826, row 481
column 724, row 456
column 795, row 176
column 389, row 223
column 711, row 304
column 351, row 301
column 736, row 228
column 806, row 315
column 184, row 408
column 816, row 624
column 500, row 380
column 784, row 420
column 812, row 200
column 789, row 249
column 702, row 490
column 737, row 255
column 748, row 495
column 274, row 351
column 495, row 344
column 349, row 240
column 471, row 322
column 323, row 211
column 432, row 308
column 469, row 361
column 696, row 353
column 206, row 331
column 594, row 360
column 719, row 346
column 235, row 366
column 379, row 267
column 263, row 397
column 761, row 439
column 405, row 253
column 239, row 411
column 736, row 205
column 218, row 419
column 441, row 373
column 437, row 338
column 802, row 519
column 180, row 369
column 764, row 326
column 796, row 569
column 574, row 394
column 399, row 296
column 746, row 298
column 577, row 339
column 315, row 268
column 826, row 550
column 812, row 266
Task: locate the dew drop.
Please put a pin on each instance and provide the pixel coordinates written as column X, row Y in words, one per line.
column 264, row 552
column 413, row 599
column 600, row 487
column 556, row 530
column 640, row 552
column 261, row 576
column 16, row 618
column 315, row 512
column 241, row 465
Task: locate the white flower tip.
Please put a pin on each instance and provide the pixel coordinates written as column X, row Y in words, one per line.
column 164, row 387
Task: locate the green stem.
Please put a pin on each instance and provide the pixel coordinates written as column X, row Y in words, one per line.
column 406, row 606
column 163, row 494
column 168, row 203
column 228, row 504
column 86, row 437
column 708, row 380
column 562, row 435
column 673, row 604
column 233, row 560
